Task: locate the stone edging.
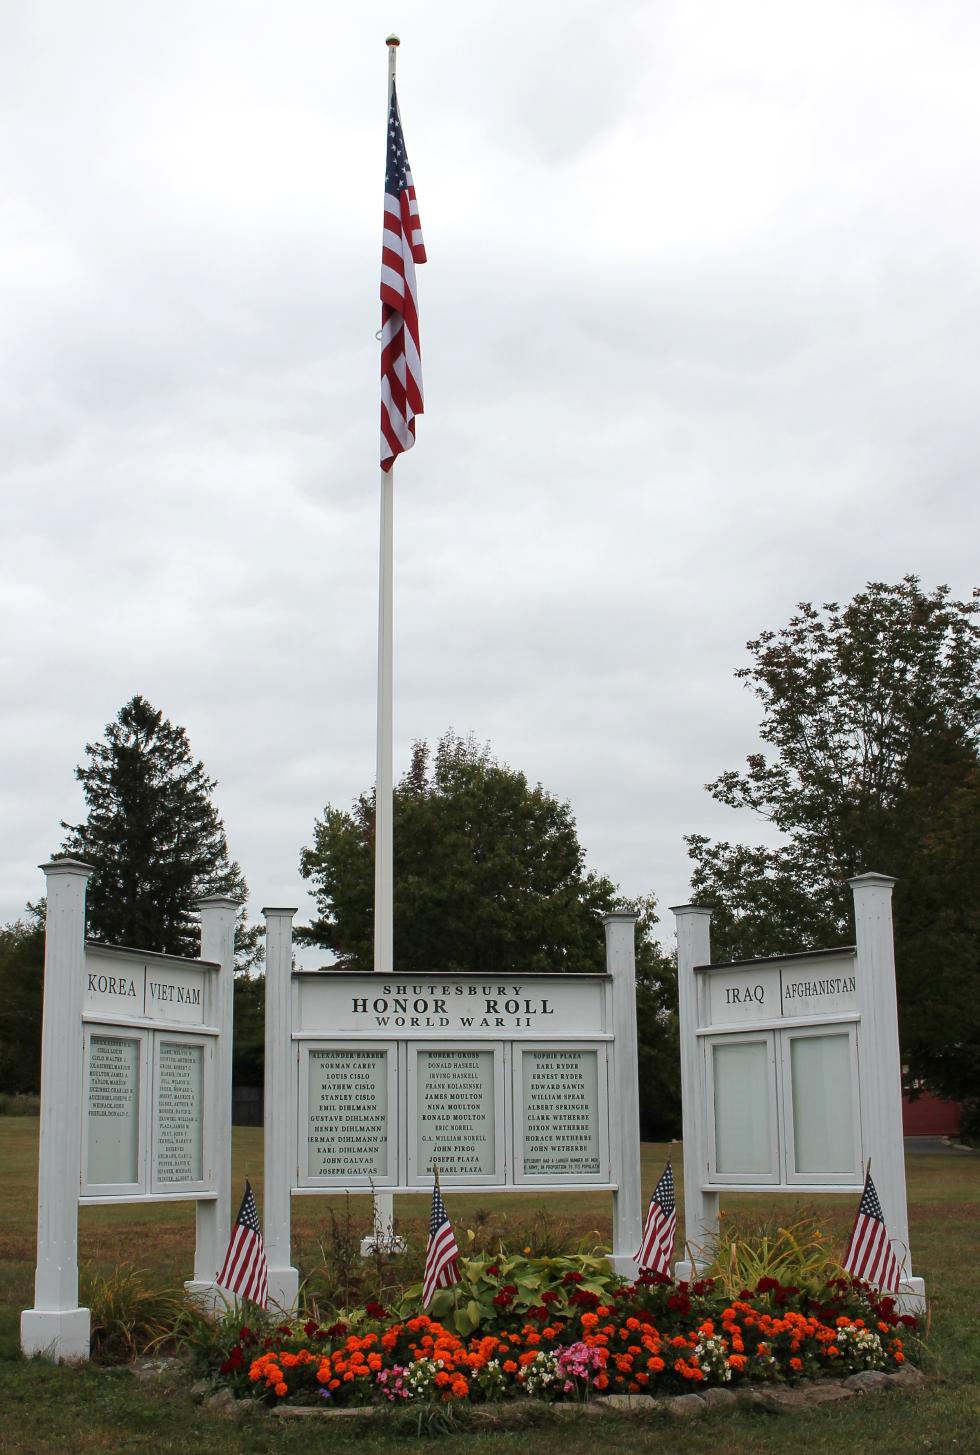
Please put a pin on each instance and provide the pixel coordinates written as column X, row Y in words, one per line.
column 776, row 1398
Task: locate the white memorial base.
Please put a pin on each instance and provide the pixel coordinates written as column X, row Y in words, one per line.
column 390, row 1244
column 60, row 1333
column 283, row 1289
column 206, row 1294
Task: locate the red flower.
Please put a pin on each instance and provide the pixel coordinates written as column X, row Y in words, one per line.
column 493, row 1271
column 374, row 1310
column 550, row 1296
column 584, row 1299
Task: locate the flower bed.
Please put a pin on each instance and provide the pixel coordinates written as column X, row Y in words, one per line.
column 650, row 1337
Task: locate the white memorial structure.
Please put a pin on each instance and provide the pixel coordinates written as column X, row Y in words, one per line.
column 135, row 1095
column 790, row 1073
column 501, row 1081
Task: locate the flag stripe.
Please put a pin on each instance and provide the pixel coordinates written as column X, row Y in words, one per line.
column 245, row 1270
column 441, row 1252
column 401, row 248
column 869, row 1255
column 657, row 1246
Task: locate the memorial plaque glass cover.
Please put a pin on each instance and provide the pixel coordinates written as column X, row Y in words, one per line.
column 823, row 1109
column 178, row 1124
column 743, row 1140
column 113, row 1111
column 347, row 1130
column 561, row 1113
column 455, row 1113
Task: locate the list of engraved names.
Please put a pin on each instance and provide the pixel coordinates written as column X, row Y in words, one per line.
column 179, row 1151
column 347, row 1130
column 455, row 1113
column 561, row 1113
column 113, row 1099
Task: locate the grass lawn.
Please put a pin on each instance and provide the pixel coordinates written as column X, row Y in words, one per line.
column 44, row 1408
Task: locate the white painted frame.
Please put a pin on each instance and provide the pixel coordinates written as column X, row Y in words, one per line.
column 421, row 1177
column 114, row 1191
column 304, row 1181
column 738, row 1038
column 56, row 1325
column 601, row 1178
column 879, row 1081
column 854, row 1177
column 205, row 1183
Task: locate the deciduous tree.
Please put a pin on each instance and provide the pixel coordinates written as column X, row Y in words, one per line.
column 871, row 713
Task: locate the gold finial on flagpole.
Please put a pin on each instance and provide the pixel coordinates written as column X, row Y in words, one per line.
column 392, row 40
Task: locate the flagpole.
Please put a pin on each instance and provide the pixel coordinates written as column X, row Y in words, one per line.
column 384, row 781
column 384, row 789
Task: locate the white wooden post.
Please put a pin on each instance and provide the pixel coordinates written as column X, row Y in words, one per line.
column 279, row 1116
column 56, row 1325
column 218, row 914
column 879, row 1065
column 620, row 926
column 700, row 1208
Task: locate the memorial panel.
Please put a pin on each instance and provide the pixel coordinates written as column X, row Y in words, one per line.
column 113, row 1111
column 347, row 1119
column 456, row 1125
column 561, row 1113
column 178, row 1120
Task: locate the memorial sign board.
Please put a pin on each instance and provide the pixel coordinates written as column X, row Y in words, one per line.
column 790, row 1070
column 496, row 1080
column 135, row 1095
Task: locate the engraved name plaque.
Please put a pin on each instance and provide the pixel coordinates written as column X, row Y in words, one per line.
column 113, row 1111
column 347, row 1130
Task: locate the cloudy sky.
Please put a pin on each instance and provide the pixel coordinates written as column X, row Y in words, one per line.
column 700, row 329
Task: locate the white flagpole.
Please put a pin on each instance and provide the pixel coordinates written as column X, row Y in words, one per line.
column 384, row 783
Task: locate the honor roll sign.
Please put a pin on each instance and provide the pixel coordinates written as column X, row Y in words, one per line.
column 790, row 1072
column 497, row 1080
column 135, row 1094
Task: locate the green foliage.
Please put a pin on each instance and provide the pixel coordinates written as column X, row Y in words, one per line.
column 248, row 1067
column 872, row 715
column 489, row 876
column 21, row 994
column 801, row 1253
column 154, row 838
column 489, row 872
column 132, row 1312
column 500, row 1292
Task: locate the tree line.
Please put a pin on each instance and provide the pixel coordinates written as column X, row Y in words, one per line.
column 869, row 724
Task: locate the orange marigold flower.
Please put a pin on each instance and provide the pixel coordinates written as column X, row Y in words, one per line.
column 899, row 1357
column 796, row 1364
column 509, row 1367
column 736, row 1361
column 282, row 1389
column 589, row 1320
column 601, row 1381
column 528, row 1357
column 656, row 1364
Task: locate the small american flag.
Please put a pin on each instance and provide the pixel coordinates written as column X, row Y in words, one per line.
column 245, row 1270
column 657, row 1247
column 441, row 1252
column 401, row 248
column 869, row 1254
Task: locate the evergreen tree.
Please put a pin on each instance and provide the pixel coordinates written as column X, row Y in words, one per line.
column 154, row 838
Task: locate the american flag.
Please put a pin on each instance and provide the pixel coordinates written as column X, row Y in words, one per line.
column 245, row 1270
column 401, row 248
column 441, row 1252
column 657, row 1247
column 869, row 1254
